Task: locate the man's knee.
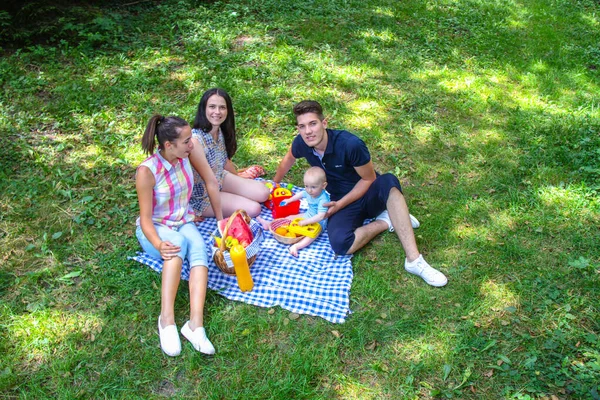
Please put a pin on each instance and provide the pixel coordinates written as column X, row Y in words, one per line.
column 341, row 243
column 387, row 183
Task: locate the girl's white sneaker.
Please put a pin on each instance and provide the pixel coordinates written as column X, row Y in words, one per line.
column 198, row 339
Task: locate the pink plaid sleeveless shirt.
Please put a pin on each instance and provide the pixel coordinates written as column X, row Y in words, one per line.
column 172, row 191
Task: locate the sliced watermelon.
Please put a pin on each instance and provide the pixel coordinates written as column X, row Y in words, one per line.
column 239, row 229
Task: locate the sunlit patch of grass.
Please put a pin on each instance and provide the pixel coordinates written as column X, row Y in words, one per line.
column 592, row 19
column 496, row 301
column 385, row 35
column 467, row 231
column 503, row 220
column 423, row 132
column 365, row 114
column 568, row 201
column 428, row 348
column 350, row 388
column 387, row 11
column 39, row 336
column 260, row 145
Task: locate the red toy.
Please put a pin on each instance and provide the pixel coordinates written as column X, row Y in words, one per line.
column 278, row 194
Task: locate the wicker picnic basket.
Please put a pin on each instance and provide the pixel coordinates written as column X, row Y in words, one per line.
column 283, row 222
column 221, row 254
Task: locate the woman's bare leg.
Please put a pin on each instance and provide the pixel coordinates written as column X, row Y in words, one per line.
column 231, row 202
column 249, row 188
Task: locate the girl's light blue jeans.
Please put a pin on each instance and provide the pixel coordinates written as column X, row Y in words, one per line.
column 186, row 237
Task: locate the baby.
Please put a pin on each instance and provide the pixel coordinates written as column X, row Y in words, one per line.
column 314, row 192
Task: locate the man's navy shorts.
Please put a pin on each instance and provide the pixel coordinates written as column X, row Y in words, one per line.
column 342, row 224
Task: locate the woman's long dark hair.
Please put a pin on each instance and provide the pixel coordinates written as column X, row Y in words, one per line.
column 161, row 129
column 227, row 127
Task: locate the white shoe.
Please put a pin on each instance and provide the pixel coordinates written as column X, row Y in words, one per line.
column 421, row 268
column 385, row 216
column 198, row 339
column 169, row 339
column 414, row 222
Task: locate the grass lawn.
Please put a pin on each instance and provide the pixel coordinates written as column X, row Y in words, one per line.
column 487, row 110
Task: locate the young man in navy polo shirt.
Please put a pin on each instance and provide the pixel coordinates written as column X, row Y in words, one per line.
column 357, row 191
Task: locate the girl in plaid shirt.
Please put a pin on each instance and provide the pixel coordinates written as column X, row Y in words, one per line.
column 165, row 227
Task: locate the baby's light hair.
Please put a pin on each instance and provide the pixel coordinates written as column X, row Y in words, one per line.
column 317, row 173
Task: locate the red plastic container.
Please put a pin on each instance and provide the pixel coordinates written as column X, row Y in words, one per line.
column 280, row 211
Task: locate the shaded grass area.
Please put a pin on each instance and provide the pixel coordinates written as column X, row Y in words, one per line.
column 486, row 110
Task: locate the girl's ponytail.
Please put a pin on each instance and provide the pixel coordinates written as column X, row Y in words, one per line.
column 161, row 129
column 148, row 142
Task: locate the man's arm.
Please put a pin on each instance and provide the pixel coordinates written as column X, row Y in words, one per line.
column 367, row 177
column 284, row 166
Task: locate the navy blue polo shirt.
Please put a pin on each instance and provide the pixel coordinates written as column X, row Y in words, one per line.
column 344, row 152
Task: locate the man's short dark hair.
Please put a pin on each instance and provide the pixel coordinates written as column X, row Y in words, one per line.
column 309, row 106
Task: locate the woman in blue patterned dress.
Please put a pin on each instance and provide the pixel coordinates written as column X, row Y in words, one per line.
column 220, row 193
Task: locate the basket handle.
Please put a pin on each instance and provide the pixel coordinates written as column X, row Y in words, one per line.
column 226, row 229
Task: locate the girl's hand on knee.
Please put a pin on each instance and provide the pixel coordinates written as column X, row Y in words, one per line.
column 168, row 250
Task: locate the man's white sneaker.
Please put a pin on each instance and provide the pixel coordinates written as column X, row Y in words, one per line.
column 169, row 339
column 421, row 268
column 198, row 339
column 385, row 216
column 414, row 222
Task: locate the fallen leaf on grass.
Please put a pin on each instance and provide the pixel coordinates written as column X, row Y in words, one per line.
column 336, row 334
column 271, row 311
column 294, row 316
column 372, row 345
column 489, row 373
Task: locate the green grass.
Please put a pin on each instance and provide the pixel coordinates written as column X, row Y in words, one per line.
column 488, row 111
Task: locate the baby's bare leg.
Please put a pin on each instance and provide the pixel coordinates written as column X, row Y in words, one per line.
column 264, row 223
column 300, row 245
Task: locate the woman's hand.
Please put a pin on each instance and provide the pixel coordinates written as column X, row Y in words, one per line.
column 168, row 250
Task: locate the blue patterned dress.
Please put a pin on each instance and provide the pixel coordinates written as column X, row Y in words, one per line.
column 216, row 155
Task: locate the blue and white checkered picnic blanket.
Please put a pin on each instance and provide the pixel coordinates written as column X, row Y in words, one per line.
column 316, row 283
